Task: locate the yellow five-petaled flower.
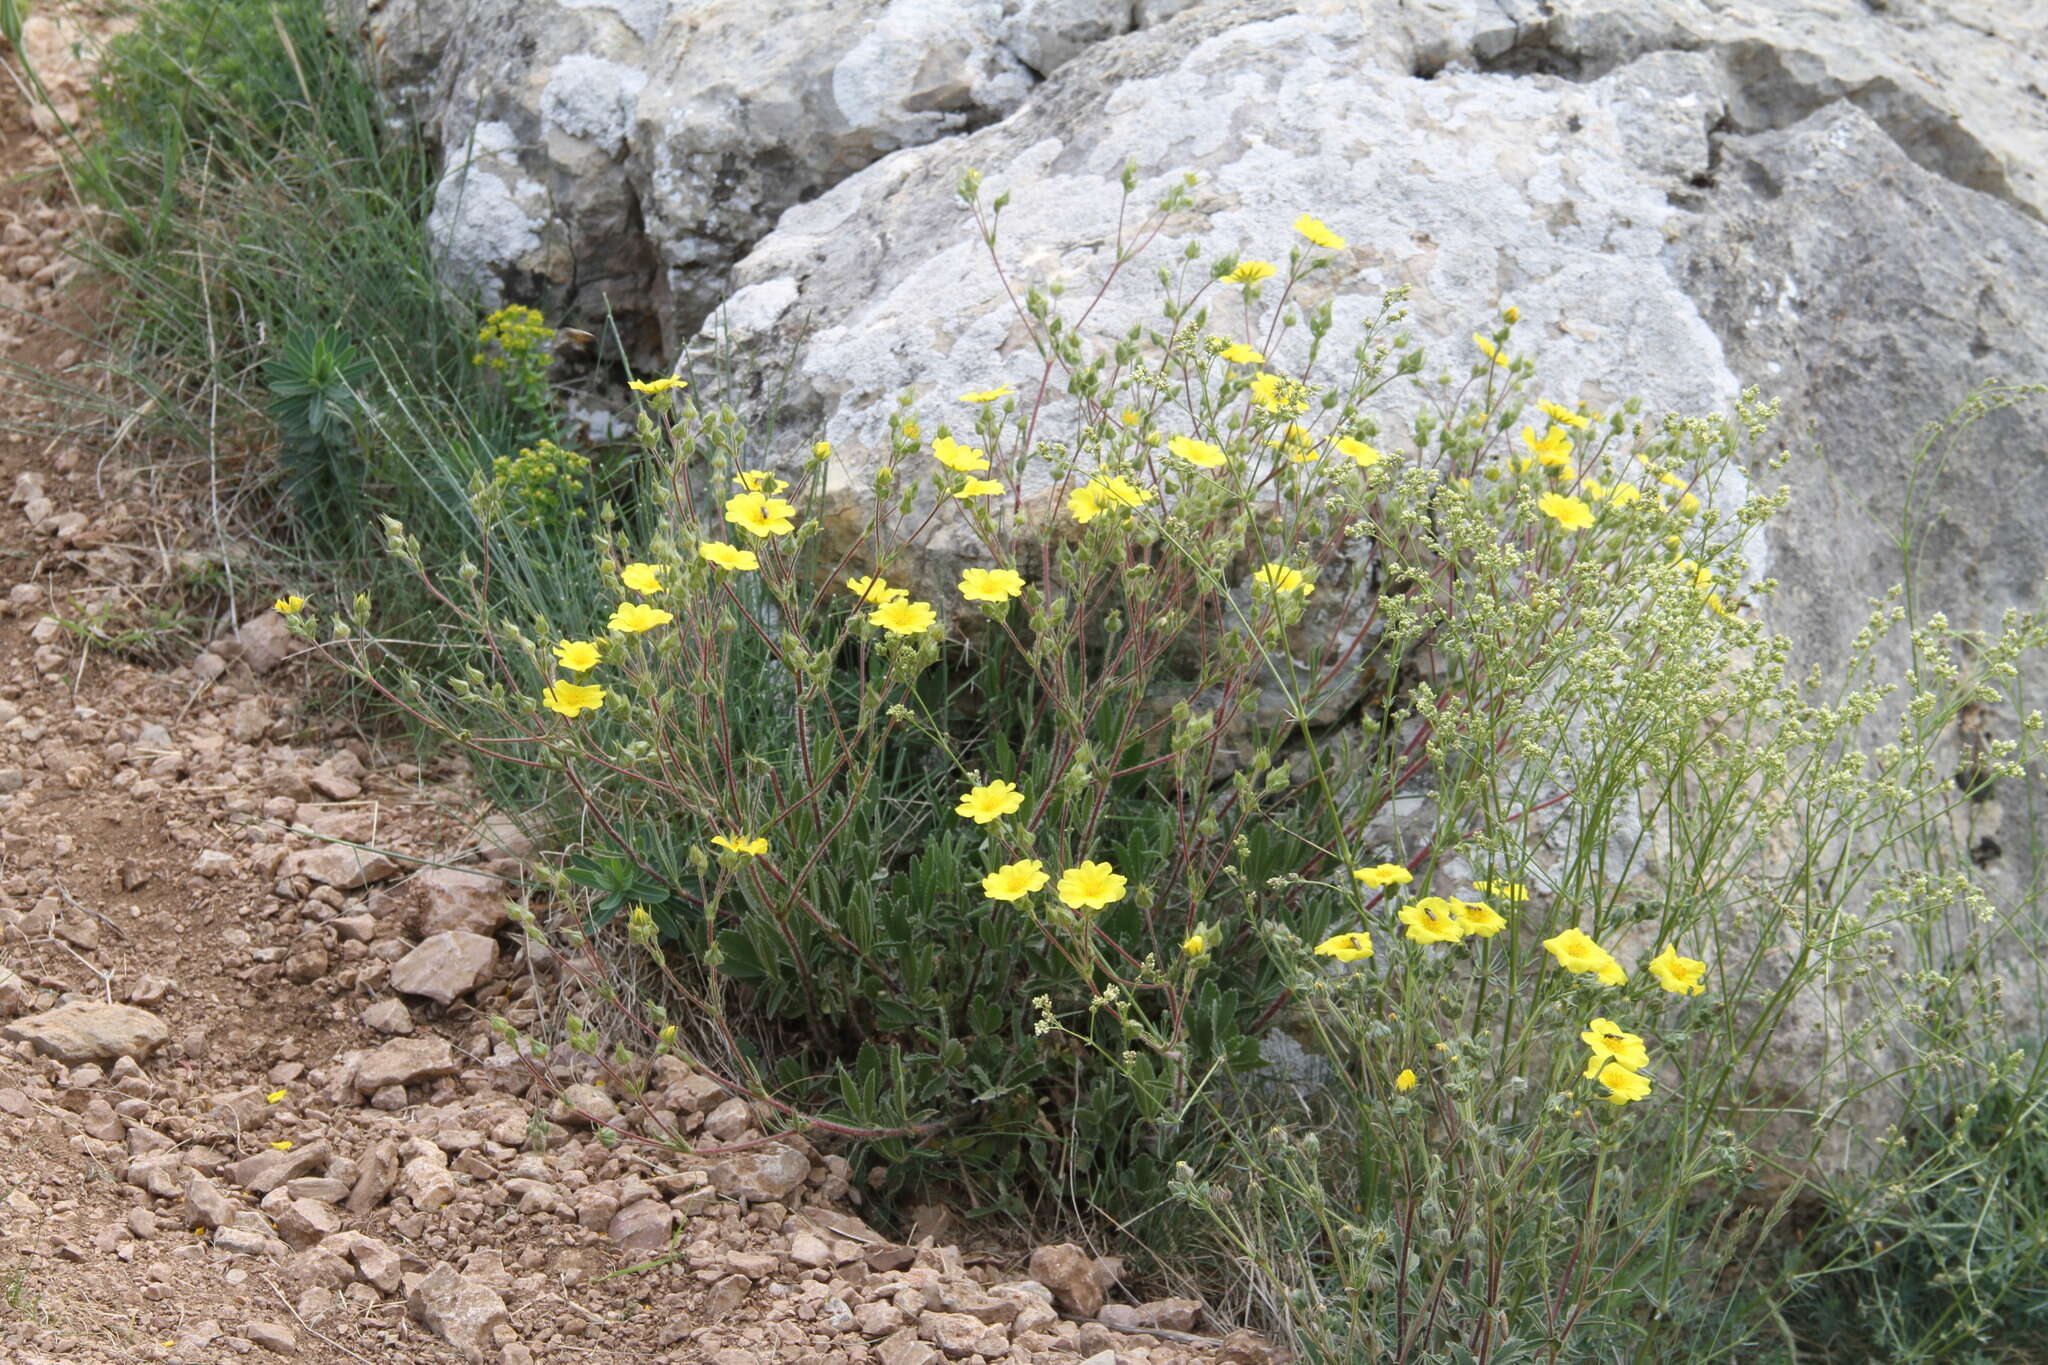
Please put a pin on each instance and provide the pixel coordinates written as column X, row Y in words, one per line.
column 1432, row 920
column 875, row 592
column 1091, row 886
column 729, row 557
column 1383, row 874
column 641, row 577
column 1089, row 500
column 990, row 585
column 1567, row 511
column 1280, row 579
column 958, row 458
column 1611, row 1043
column 1405, row 1082
column 1201, row 454
column 903, row 617
column 1251, row 272
column 289, row 606
column 1318, row 232
column 740, row 843
column 990, row 801
column 1346, row 947
column 578, row 656
column 1575, row 951
column 1679, row 975
column 571, row 699
column 988, row 395
column 1014, row 881
column 758, row 514
column 654, row 386
column 634, row 617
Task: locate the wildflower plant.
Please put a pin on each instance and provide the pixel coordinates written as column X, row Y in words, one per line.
column 1298, row 691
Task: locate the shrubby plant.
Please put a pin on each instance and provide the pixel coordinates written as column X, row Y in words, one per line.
column 1301, row 701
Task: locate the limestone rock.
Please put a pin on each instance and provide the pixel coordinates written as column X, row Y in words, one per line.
column 83, row 1031
column 445, row 966
column 404, row 1061
column 773, row 1170
column 338, row 866
column 456, row 898
column 1078, row 1281
column 463, row 1312
column 642, row 1226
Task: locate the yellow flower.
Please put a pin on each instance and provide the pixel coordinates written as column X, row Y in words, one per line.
column 759, row 481
column 578, row 656
column 1281, row 397
column 1610, row 1043
column 1251, row 272
column 1198, row 453
column 821, row 450
column 289, row 606
column 570, row 699
column 1679, row 975
column 875, row 592
column 274, row 1096
column 1432, row 920
column 1299, row 443
column 1346, row 947
column 1576, row 952
column 1553, row 448
column 1623, row 1085
column 635, row 617
column 904, row 617
column 281, row 1145
column 1489, row 350
column 1558, row 413
column 977, row 488
column 760, row 515
column 740, row 843
column 1383, row 874
column 1478, row 918
column 988, row 395
column 1130, row 417
column 1281, row 579
column 1318, row 232
column 654, row 386
column 1405, row 1082
column 989, row 801
column 990, row 585
column 958, row 458
column 725, row 556
column 1361, row 453
column 1014, row 881
column 1194, row 945
column 1507, row 891
column 1622, row 494
column 1237, row 353
column 641, row 577
column 1568, row 512
column 1088, row 501
column 1090, row 886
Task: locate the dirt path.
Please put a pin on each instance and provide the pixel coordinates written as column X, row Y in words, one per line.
column 247, row 1100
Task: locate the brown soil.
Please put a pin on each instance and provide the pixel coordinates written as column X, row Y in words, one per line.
column 155, row 829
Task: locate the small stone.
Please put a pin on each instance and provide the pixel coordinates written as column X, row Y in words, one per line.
column 810, row 1251
column 463, row 1312
column 905, row 1349
column 583, row 1105
column 404, row 1061
column 388, row 1015
column 306, row 1222
column 338, row 866
column 266, row 641
column 445, row 967
column 274, row 1337
column 1174, row 1315
column 771, row 1171
column 265, row 1171
column 209, row 1205
column 729, row 1121
column 214, row 864
column 1073, row 1276
column 643, row 1226
column 87, row 1032
column 378, row 1176
column 456, row 898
